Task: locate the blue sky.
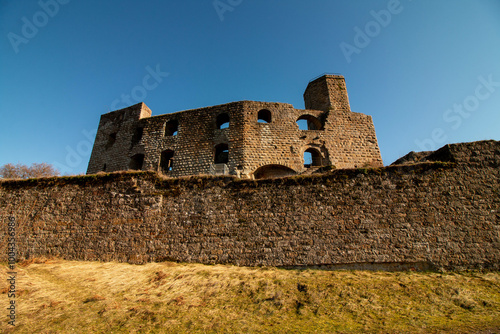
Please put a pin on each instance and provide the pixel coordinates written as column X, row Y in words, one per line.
column 428, row 72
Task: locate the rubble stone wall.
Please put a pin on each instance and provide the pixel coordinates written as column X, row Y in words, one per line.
column 425, row 215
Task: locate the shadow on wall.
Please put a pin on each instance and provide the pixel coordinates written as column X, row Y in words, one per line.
column 273, row 171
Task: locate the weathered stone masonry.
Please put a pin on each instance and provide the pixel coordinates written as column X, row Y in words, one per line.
column 262, row 138
column 441, row 214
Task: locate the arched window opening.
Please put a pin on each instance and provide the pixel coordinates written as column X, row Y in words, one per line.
column 264, row 116
column 111, row 140
column 104, row 168
column 166, row 161
column 171, row 128
column 308, row 122
column 137, row 136
column 312, row 158
column 302, row 123
column 221, row 154
column 222, row 121
column 136, row 162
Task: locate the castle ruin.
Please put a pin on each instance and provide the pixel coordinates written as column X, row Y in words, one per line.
column 247, row 138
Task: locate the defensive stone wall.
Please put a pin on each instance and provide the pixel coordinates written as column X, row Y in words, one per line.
column 441, row 213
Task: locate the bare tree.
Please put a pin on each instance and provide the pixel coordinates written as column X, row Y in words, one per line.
column 20, row 171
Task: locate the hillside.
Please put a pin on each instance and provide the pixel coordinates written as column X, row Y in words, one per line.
column 56, row 296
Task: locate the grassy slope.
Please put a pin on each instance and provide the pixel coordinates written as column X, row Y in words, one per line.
column 56, row 296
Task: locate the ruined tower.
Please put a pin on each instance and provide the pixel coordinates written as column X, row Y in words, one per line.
column 249, row 139
column 326, row 93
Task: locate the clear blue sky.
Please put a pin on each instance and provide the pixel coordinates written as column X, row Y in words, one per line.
column 428, row 72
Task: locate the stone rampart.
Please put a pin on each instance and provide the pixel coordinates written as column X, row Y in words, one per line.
column 428, row 214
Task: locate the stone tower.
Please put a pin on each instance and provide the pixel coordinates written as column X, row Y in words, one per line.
column 326, row 93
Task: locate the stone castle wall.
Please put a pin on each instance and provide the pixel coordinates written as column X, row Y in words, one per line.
column 131, row 139
column 423, row 215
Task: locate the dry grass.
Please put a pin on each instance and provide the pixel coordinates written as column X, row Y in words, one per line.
column 56, row 296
